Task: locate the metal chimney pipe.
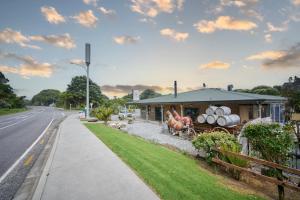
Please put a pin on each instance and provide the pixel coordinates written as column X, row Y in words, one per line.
column 175, row 89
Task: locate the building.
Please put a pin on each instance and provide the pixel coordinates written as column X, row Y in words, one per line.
column 247, row 105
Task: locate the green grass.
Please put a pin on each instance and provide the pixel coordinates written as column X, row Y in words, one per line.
column 6, row 111
column 171, row 174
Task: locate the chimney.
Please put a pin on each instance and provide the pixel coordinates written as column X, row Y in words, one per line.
column 229, row 87
column 175, row 89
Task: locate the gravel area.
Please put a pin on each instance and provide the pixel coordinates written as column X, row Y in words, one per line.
column 158, row 133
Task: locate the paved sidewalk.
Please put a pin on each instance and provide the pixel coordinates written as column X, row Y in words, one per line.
column 82, row 167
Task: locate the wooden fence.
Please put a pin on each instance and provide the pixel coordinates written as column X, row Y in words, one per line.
column 281, row 183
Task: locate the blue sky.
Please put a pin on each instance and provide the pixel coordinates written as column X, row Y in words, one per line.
column 149, row 43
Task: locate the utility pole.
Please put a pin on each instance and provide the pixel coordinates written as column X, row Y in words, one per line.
column 87, row 62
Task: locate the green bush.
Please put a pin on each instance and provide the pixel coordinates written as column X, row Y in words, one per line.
column 212, row 140
column 103, row 113
column 272, row 141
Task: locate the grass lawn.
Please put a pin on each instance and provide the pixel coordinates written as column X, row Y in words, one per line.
column 7, row 111
column 171, row 174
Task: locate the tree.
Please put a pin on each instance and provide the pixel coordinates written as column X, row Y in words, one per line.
column 265, row 90
column 45, row 97
column 76, row 92
column 8, row 99
column 149, row 93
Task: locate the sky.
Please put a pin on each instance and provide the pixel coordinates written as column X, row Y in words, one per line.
column 139, row 44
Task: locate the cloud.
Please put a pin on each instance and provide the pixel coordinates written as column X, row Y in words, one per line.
column 152, row 8
column 224, row 23
column 91, row 2
column 126, row 39
column 87, row 19
column 171, row 33
column 296, row 2
column 28, row 67
column 121, row 90
column 290, row 58
column 215, row 65
column 63, row 41
column 10, row 36
column 106, row 11
column 77, row 62
column 268, row 38
column 52, row 15
column 282, row 28
column 270, row 55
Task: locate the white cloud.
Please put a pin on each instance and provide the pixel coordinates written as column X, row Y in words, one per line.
column 224, row 23
column 126, row 39
column 171, row 33
column 91, row 2
column 268, row 38
column 28, row 67
column 152, row 8
column 52, row 15
column 77, row 62
column 87, row 19
column 282, row 28
column 269, row 55
column 106, row 11
column 296, row 2
column 215, row 65
column 10, row 36
column 63, row 41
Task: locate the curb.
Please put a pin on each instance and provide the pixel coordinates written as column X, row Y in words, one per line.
column 46, row 171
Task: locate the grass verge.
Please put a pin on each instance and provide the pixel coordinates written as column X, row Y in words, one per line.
column 6, row 111
column 171, row 174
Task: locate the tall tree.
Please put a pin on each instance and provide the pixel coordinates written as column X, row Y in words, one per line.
column 149, row 93
column 76, row 92
column 45, row 97
column 8, row 99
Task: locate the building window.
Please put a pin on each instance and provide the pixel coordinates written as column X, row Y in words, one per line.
column 191, row 112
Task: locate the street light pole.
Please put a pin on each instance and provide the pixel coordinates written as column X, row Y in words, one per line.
column 87, row 62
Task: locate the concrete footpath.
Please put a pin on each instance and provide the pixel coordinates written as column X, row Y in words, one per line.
column 80, row 166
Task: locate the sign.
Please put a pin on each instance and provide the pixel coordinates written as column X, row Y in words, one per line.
column 135, row 95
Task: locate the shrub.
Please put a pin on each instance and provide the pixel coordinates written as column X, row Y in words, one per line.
column 104, row 113
column 212, row 140
column 271, row 141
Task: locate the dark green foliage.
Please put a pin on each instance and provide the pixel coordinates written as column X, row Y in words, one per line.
column 45, row 97
column 76, row 93
column 265, row 90
column 262, row 89
column 271, row 141
column 149, row 93
column 8, row 99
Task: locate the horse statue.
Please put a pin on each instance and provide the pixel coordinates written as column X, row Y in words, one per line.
column 187, row 121
column 174, row 125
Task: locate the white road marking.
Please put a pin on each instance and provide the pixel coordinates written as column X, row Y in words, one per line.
column 30, row 116
column 25, row 153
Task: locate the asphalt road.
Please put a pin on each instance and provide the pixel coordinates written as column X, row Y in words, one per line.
column 19, row 131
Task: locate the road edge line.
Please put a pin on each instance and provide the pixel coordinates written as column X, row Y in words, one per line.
column 39, row 190
column 25, row 153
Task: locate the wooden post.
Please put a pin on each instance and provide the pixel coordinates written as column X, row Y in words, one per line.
column 280, row 187
column 181, row 110
column 259, row 110
column 147, row 117
column 162, row 113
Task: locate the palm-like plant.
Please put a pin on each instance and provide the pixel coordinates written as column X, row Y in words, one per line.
column 103, row 113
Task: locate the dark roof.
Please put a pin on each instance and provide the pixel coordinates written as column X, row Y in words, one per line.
column 212, row 95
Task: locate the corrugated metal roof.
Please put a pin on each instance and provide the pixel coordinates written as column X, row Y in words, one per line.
column 211, row 95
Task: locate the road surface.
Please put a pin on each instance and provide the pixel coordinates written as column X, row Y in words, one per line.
column 19, row 131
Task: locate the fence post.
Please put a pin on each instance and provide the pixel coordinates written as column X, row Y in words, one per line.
column 280, row 187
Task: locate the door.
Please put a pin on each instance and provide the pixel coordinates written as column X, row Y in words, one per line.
column 157, row 114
